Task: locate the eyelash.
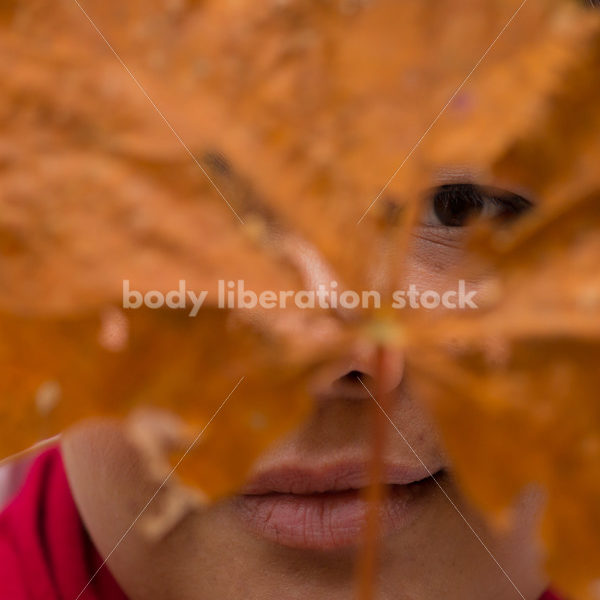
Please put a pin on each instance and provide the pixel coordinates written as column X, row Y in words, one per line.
column 455, row 205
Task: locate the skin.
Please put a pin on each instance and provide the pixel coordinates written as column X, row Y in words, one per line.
column 209, row 553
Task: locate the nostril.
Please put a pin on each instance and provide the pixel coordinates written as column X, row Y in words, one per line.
column 354, row 376
column 349, row 386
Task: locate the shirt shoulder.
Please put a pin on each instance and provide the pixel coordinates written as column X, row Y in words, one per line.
column 45, row 550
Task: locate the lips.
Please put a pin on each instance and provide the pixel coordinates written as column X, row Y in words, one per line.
column 324, row 508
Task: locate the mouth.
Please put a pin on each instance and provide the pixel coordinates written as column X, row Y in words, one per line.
column 325, row 508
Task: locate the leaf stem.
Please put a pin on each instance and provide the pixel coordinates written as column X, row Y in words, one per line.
column 369, row 558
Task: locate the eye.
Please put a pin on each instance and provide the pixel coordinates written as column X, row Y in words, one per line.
column 457, row 205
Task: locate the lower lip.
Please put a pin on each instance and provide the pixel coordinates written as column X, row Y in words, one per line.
column 330, row 520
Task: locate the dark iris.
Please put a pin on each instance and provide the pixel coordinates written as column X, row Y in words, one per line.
column 455, row 205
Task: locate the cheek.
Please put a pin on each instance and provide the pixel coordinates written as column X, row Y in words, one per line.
column 433, row 269
column 436, row 252
column 437, row 260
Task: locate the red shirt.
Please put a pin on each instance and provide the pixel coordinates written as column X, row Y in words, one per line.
column 45, row 551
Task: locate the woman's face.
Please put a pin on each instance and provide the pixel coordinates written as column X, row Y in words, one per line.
column 294, row 531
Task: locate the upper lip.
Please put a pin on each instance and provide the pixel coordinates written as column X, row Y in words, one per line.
column 302, row 480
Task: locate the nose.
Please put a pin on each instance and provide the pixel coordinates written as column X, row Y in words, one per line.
column 365, row 371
